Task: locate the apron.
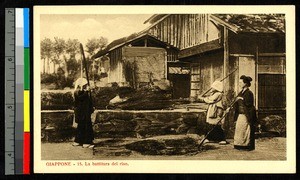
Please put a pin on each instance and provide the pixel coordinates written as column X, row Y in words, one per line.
column 242, row 131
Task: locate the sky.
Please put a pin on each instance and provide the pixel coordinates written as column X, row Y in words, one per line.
column 87, row 26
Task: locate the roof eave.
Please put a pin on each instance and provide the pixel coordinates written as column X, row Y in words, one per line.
column 128, row 41
column 150, row 18
column 221, row 22
column 154, row 24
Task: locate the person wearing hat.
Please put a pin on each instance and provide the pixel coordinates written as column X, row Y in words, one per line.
column 214, row 113
column 83, row 109
column 245, row 116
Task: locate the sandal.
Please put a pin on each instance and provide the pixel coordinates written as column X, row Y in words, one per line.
column 76, row 144
column 88, row 146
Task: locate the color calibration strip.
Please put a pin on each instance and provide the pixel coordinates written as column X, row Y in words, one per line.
column 26, row 150
column 19, row 116
column 17, row 91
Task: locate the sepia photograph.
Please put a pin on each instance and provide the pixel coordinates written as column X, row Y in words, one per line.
column 160, row 89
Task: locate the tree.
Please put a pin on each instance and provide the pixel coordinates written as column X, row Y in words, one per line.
column 46, row 53
column 59, row 46
column 73, row 67
column 92, row 47
column 72, row 48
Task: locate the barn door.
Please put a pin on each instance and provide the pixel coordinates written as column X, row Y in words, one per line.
column 271, row 88
column 271, row 82
column 181, row 85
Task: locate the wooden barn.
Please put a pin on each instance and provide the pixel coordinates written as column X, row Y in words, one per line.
column 215, row 45
column 201, row 48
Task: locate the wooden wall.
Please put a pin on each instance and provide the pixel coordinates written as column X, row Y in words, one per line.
column 172, row 55
column 114, row 57
column 115, row 73
column 185, row 30
column 271, row 81
column 149, row 64
column 271, row 64
column 249, row 43
column 205, row 69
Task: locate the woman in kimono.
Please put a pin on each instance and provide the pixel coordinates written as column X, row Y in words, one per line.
column 245, row 116
column 214, row 113
column 83, row 110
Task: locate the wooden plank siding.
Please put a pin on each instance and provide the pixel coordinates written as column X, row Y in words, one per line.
column 272, row 91
column 195, row 79
column 115, row 56
column 183, row 30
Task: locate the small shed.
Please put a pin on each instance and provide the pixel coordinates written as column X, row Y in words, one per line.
column 139, row 60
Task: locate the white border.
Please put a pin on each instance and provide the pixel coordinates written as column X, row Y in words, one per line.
column 175, row 166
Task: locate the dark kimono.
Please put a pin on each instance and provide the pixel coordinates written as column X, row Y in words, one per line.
column 83, row 110
column 245, row 116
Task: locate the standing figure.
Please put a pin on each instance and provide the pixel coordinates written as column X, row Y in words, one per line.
column 83, row 110
column 214, row 113
column 245, row 116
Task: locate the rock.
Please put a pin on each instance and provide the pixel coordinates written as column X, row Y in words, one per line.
column 182, row 129
column 93, row 117
column 168, row 117
column 57, row 127
column 274, row 123
column 103, row 127
column 106, row 116
column 115, row 128
column 114, row 134
column 58, row 100
column 117, row 99
column 162, row 84
column 190, row 119
column 192, row 130
column 121, row 125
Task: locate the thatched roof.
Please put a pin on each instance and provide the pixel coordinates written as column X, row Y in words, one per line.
column 114, row 44
column 254, row 23
column 127, row 40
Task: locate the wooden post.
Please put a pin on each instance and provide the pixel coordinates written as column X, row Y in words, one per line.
column 183, row 31
column 256, row 78
column 226, row 60
column 166, row 65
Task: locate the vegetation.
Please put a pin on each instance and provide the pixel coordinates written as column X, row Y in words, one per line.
column 65, row 58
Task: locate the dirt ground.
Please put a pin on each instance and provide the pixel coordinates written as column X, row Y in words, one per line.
column 266, row 149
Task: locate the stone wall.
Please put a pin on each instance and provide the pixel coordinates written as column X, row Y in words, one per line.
column 57, row 125
column 148, row 123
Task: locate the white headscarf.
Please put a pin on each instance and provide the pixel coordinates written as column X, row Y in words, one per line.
column 80, row 82
column 217, row 85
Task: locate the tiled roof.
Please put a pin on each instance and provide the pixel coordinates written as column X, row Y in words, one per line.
column 264, row 23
